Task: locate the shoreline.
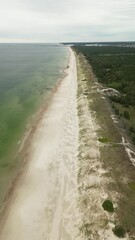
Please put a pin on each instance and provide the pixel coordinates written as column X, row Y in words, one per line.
column 22, row 99
column 36, row 117
column 70, row 171
column 24, row 149
column 64, row 99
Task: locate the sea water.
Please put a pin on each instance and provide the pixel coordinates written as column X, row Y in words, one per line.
column 38, row 64
column 28, row 72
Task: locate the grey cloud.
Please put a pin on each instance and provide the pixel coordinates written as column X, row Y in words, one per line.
column 48, row 6
column 65, row 20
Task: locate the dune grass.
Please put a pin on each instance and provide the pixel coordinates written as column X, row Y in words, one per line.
column 132, row 186
column 103, row 140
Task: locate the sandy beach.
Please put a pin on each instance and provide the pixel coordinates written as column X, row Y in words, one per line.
column 44, row 203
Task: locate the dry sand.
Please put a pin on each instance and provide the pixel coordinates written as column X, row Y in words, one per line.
column 44, row 206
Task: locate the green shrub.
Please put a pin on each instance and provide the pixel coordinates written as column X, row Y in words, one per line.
column 108, row 206
column 132, row 129
column 116, row 111
column 119, row 231
column 103, row 140
column 133, row 139
column 126, row 115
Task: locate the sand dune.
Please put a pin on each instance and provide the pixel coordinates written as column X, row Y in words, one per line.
column 45, row 202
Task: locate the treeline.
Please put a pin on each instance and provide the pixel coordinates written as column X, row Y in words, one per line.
column 115, row 68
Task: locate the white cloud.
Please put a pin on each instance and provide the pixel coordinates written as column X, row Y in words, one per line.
column 61, row 20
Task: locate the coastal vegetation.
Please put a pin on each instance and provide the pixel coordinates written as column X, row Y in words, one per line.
column 113, row 168
column 108, row 206
column 119, row 231
column 114, row 68
column 103, row 140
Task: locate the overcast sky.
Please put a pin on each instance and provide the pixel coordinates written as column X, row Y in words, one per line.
column 67, row 20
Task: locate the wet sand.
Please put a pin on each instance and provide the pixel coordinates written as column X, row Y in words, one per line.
column 44, row 205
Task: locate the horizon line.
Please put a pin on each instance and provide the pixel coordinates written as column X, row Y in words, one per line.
column 119, row 41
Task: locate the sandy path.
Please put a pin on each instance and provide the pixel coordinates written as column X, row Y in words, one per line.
column 45, row 203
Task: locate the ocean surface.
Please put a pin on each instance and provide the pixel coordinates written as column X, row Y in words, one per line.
column 30, row 63
column 28, row 72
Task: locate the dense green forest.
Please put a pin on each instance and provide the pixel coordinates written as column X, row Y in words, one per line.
column 114, row 67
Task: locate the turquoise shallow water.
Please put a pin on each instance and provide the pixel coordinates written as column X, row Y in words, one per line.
column 28, row 72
